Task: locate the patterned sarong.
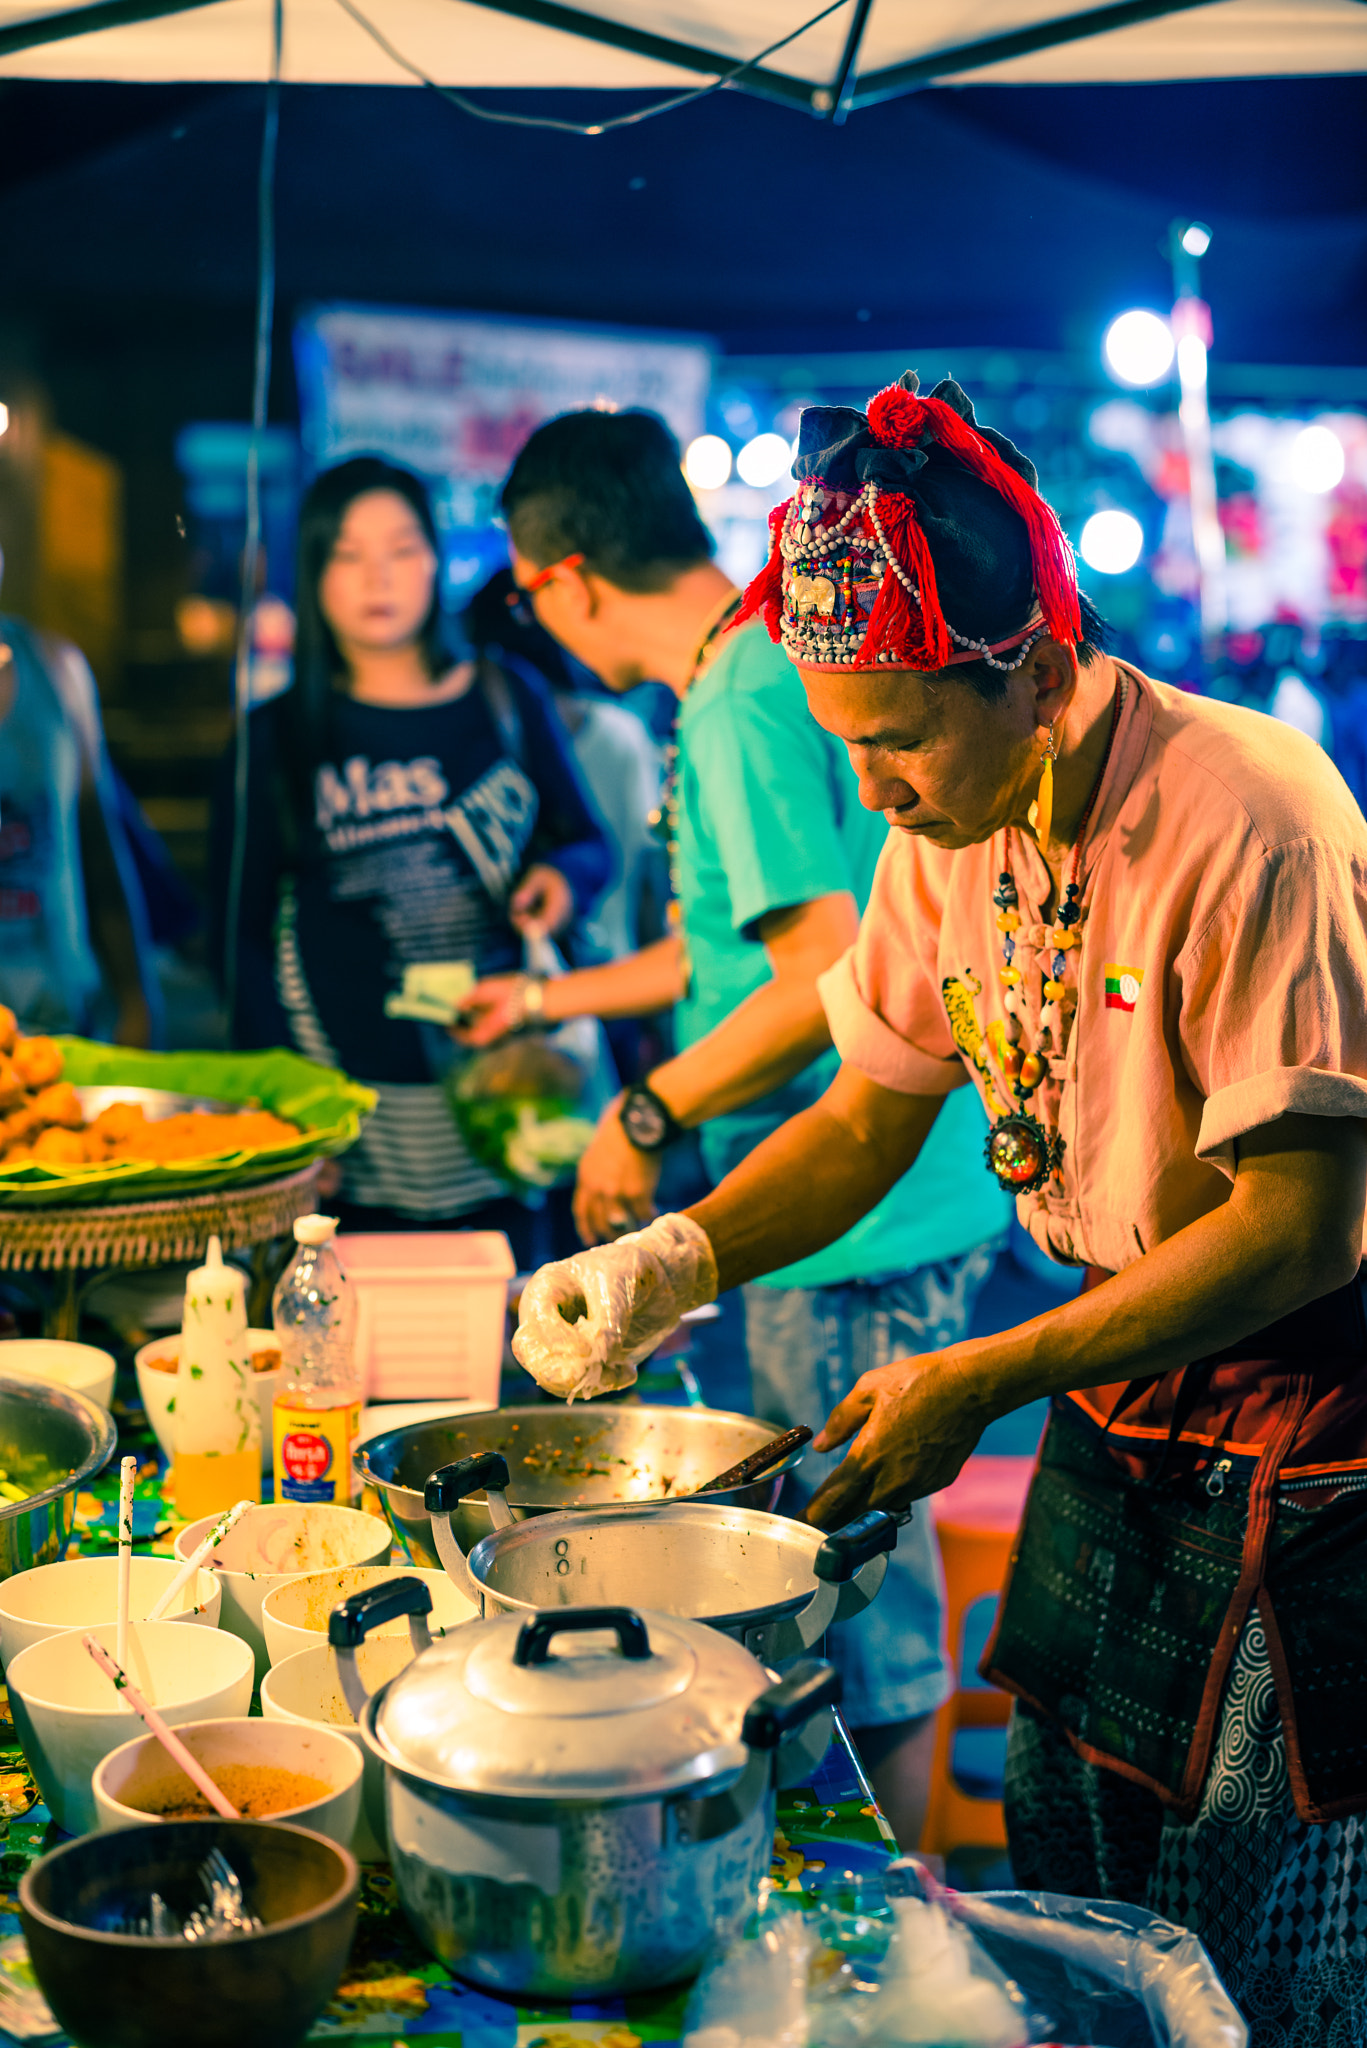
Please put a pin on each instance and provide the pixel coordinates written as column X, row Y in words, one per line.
column 1280, row 1903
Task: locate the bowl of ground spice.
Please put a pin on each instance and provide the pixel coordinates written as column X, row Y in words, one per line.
column 269, row 1770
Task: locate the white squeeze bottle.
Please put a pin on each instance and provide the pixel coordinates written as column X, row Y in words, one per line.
column 318, row 1408
column 217, row 1414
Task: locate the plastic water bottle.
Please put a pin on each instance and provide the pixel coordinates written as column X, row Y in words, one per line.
column 318, row 1407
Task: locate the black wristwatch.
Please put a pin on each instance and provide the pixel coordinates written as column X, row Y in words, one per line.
column 649, row 1123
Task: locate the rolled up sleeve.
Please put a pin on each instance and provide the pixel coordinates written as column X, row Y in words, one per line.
column 1274, row 997
column 882, row 999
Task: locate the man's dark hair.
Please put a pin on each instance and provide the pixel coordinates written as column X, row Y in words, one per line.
column 990, row 683
column 607, row 486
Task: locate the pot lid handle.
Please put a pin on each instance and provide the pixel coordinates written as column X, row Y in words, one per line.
column 842, row 1554
column 809, row 1686
column 535, row 1636
column 446, row 1488
column 352, row 1619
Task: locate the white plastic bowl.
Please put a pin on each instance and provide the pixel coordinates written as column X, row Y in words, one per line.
column 294, row 1616
column 68, row 1715
column 133, row 1782
column 82, row 1366
column 83, row 1591
column 157, row 1390
column 279, row 1541
column 308, row 1688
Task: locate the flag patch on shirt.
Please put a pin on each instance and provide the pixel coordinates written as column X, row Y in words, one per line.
column 1122, row 986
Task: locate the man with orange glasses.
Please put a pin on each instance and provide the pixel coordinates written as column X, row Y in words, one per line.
column 773, row 857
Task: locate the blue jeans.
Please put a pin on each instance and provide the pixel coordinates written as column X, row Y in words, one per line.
column 808, row 1346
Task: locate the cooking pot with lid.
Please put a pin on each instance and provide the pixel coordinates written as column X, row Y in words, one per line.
column 578, row 1802
column 773, row 1584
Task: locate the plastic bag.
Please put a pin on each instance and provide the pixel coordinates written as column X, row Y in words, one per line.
column 527, row 1108
column 755, row 1994
column 1094, row 1972
column 1078, row 1971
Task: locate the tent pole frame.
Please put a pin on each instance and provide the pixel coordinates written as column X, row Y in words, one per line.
column 839, row 99
column 870, row 90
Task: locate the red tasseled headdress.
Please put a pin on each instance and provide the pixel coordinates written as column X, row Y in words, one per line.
column 896, row 628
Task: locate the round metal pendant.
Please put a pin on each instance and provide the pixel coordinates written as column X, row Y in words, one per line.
column 1020, row 1152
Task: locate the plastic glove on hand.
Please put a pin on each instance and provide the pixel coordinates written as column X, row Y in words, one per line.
column 587, row 1322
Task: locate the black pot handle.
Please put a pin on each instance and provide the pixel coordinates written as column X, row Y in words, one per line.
column 446, row 1488
column 811, row 1685
column 352, row 1619
column 843, row 1553
column 535, row 1636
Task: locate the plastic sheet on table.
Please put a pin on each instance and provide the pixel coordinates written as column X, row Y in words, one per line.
column 1094, row 1972
column 835, row 1974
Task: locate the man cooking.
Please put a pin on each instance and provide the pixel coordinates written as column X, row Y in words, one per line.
column 1134, row 920
column 772, row 857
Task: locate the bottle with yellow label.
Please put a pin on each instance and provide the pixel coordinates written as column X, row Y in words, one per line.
column 317, row 1415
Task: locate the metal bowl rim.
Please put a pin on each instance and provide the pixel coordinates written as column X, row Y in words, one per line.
column 785, row 1465
column 95, row 1461
column 146, row 1098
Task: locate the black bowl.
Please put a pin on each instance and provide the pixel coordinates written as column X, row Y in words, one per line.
column 264, row 1990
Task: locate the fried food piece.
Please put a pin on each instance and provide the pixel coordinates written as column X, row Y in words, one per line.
column 20, row 1124
column 119, row 1121
column 58, row 1104
column 16, row 1155
column 9, row 1028
column 37, row 1061
column 11, row 1084
column 56, row 1147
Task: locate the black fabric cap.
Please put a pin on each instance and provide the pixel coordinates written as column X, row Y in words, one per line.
column 978, row 543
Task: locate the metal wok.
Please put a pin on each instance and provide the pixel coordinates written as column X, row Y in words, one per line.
column 597, row 1455
column 774, row 1585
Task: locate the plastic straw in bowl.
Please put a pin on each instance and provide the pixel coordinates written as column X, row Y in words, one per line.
column 171, row 1743
column 128, row 1473
column 198, row 1556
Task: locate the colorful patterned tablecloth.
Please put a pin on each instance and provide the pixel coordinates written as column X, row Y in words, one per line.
column 828, row 1844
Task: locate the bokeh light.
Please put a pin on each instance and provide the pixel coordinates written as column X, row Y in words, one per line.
column 1139, row 347
column 763, row 461
column 1317, row 459
column 707, row 462
column 1112, row 542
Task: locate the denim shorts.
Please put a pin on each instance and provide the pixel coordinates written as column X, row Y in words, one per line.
column 808, row 1346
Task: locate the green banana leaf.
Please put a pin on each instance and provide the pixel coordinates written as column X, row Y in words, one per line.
column 328, row 1108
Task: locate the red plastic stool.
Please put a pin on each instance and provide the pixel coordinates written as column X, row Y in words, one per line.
column 976, row 1521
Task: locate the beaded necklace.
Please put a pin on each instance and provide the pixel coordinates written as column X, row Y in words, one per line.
column 1021, row 1151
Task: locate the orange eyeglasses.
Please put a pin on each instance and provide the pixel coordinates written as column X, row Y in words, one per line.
column 543, row 576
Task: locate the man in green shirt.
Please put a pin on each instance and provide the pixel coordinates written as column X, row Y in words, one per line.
column 772, row 858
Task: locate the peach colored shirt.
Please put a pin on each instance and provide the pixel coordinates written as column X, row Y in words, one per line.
column 1224, row 891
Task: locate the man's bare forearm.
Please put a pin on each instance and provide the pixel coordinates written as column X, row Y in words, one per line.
column 1290, row 1232
column 637, row 986
column 814, row 1178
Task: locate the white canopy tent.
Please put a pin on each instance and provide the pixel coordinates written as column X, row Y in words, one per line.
column 862, row 51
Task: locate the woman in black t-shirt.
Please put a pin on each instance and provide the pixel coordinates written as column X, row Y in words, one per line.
column 402, row 807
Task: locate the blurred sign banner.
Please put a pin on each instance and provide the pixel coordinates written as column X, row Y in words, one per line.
column 455, row 396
